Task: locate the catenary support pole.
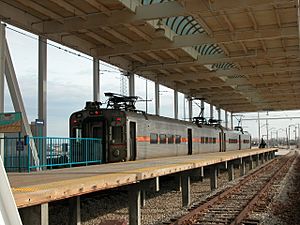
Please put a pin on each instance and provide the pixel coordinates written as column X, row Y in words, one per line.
column 157, row 98
column 175, row 104
column 96, row 80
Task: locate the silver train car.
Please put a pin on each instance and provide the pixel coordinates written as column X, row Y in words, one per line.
column 132, row 135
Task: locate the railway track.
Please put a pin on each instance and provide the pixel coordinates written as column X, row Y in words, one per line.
column 234, row 204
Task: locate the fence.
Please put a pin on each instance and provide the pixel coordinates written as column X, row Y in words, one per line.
column 53, row 152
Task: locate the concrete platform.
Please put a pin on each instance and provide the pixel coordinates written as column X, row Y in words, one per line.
column 42, row 187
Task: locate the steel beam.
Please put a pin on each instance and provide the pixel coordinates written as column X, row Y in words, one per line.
column 175, row 104
column 131, row 85
column 96, row 80
column 157, row 98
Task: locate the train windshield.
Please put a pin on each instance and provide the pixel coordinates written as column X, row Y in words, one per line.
column 98, row 130
column 117, row 135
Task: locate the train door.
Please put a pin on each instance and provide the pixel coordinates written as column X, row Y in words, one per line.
column 132, row 140
column 240, row 142
column 221, row 141
column 99, row 131
column 224, row 142
column 190, row 142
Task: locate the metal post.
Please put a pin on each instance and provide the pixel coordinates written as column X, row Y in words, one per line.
column 211, row 111
column 131, row 84
column 157, row 105
column 258, row 121
column 231, row 121
column 175, row 104
column 2, row 68
column 190, row 100
column 226, row 119
column 96, row 80
column 35, row 215
column 230, row 171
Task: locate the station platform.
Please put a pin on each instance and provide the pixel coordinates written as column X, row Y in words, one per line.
column 46, row 186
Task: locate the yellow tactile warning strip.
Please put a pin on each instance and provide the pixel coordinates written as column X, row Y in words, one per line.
column 64, row 184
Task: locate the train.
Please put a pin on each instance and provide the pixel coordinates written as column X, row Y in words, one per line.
column 128, row 134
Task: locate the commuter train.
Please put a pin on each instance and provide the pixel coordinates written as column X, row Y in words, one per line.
column 128, row 134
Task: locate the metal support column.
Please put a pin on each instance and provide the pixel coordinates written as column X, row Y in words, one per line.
column 96, row 80
column 131, row 84
column 186, row 195
column 219, row 114
column 226, row 119
column 2, row 69
column 157, row 104
column 231, row 116
column 211, row 111
column 251, row 163
column 257, row 160
column 175, row 104
column 35, row 215
column 190, row 100
column 157, row 184
column 213, row 177
column 134, row 195
column 74, row 211
column 230, row 171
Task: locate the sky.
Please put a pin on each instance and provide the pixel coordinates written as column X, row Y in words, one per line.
column 69, row 86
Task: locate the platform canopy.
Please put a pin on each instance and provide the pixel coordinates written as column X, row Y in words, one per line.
column 238, row 55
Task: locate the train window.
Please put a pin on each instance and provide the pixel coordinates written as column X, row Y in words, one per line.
column 177, row 139
column 245, row 141
column 153, row 138
column 214, row 140
column 210, row 140
column 117, row 135
column 170, row 139
column 202, row 140
column 206, row 140
column 233, row 141
column 162, row 139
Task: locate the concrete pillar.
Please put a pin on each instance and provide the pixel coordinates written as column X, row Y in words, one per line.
column 96, row 80
column 186, row 195
column 243, row 167
column 230, row 171
column 175, row 104
column 35, row 215
column 251, row 164
column 226, row 119
column 231, row 116
column 134, row 195
column 74, row 211
column 157, row 104
column 190, row 109
column 178, row 183
column 213, row 177
column 257, row 160
column 2, row 69
column 211, row 111
column 42, row 88
column 131, row 84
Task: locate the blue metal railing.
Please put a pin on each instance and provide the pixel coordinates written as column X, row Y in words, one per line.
column 52, row 152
